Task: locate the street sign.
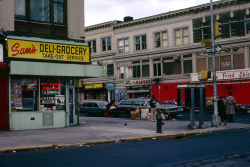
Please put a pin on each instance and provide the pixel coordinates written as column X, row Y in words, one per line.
column 216, row 49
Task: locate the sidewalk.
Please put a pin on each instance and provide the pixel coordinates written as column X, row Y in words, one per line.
column 94, row 130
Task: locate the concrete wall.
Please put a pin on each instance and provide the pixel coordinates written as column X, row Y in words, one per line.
column 7, row 15
column 34, row 120
column 75, row 19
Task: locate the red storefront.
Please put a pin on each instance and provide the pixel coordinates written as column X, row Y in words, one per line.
column 4, row 94
column 235, row 81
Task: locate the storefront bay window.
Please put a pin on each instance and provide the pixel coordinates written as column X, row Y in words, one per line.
column 37, row 94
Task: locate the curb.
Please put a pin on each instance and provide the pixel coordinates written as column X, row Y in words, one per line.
column 160, row 136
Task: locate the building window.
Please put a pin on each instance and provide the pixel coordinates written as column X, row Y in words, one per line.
column 161, row 39
column 106, row 44
column 201, row 64
column 157, row 69
column 225, row 63
column 181, row 36
column 170, row 68
column 145, row 70
column 92, row 45
column 30, row 16
column 20, row 9
column 123, row 45
column 136, row 71
column 110, row 70
column 187, row 66
column 125, row 72
column 140, row 42
column 248, row 24
column 239, row 61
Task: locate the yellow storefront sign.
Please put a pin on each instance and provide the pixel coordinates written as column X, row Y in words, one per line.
column 48, row 51
column 94, row 86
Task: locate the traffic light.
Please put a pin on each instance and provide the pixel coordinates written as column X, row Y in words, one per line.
column 204, row 75
column 217, row 29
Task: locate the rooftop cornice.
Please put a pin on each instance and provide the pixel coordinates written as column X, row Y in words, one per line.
column 163, row 16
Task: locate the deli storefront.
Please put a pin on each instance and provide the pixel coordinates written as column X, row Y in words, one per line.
column 41, row 81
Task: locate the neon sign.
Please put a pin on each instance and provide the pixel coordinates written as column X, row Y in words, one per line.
column 31, row 86
column 51, row 86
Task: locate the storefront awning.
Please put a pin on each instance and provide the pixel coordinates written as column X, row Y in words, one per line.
column 54, row 69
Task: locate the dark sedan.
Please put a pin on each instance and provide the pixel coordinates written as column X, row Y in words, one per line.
column 127, row 106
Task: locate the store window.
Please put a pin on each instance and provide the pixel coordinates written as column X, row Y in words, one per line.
column 24, row 94
column 52, row 94
column 123, row 45
column 37, row 94
column 140, row 42
column 106, row 44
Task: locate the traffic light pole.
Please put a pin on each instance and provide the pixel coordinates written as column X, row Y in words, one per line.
column 216, row 121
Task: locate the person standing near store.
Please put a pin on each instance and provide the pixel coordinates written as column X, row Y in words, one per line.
column 230, row 108
column 221, row 109
column 108, row 107
column 152, row 103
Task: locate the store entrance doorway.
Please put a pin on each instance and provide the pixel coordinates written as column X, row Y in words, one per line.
column 72, row 105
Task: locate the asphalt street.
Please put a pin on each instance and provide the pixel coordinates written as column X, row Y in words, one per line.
column 224, row 149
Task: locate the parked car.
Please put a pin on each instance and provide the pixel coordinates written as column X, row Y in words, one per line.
column 245, row 108
column 126, row 106
column 174, row 102
column 95, row 107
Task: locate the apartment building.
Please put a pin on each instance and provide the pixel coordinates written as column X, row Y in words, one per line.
column 153, row 55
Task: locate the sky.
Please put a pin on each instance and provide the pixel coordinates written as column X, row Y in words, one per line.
column 100, row 11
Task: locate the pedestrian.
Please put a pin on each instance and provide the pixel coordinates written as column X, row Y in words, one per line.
column 230, row 108
column 221, row 109
column 153, row 103
column 111, row 103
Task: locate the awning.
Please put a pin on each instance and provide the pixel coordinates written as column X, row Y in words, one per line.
column 54, row 69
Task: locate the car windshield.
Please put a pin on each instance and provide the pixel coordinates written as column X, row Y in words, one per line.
column 103, row 104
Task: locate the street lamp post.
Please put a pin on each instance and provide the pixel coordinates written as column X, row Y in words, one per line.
column 216, row 121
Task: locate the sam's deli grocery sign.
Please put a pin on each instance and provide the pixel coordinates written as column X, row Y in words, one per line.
column 48, row 51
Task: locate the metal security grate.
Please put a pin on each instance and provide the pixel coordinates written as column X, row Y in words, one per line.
column 48, row 119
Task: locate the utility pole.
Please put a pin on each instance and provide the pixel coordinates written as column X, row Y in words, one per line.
column 216, row 121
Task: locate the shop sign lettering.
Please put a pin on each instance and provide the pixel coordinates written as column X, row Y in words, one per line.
column 138, row 82
column 48, row 51
column 234, row 75
column 51, row 86
column 94, row 86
